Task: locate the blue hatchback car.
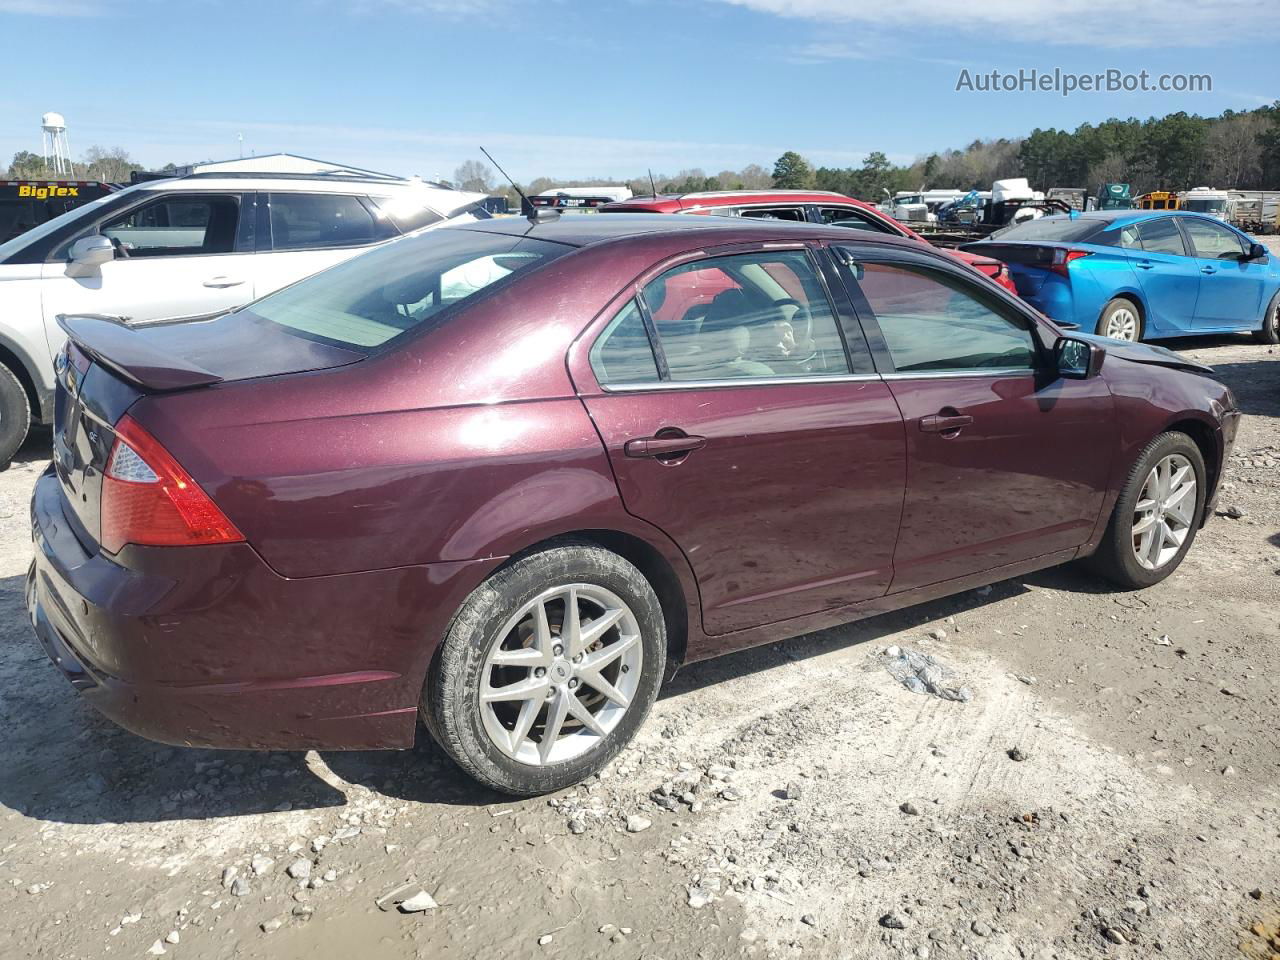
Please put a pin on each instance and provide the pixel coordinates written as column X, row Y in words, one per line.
column 1143, row 274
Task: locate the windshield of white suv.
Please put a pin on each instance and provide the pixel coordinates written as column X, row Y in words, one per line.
column 402, row 286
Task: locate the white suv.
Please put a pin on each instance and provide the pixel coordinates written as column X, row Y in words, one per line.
column 190, row 246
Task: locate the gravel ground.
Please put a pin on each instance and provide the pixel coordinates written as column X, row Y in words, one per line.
column 1108, row 790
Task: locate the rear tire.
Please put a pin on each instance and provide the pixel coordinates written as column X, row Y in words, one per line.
column 1121, row 320
column 15, row 415
column 1270, row 332
column 497, row 642
column 1129, row 554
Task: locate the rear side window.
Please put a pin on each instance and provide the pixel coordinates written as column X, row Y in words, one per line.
column 853, row 219
column 178, row 225
column 774, row 213
column 1213, row 241
column 754, row 315
column 308, row 221
column 623, row 354
column 933, row 322
column 1161, row 236
column 406, row 214
column 408, row 285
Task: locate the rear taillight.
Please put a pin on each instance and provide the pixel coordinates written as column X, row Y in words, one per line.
column 1062, row 259
column 148, row 499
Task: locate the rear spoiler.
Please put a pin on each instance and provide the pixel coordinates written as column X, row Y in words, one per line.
column 112, row 343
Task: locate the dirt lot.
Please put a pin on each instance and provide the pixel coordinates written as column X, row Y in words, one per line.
column 1109, row 790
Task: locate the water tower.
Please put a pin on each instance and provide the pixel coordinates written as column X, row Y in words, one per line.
column 57, row 151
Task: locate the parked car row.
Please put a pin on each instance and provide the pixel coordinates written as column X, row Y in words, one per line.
column 506, row 475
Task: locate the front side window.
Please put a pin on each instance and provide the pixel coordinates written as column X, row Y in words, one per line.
column 933, row 322
column 853, row 219
column 373, row 298
column 754, row 315
column 1213, row 241
column 177, row 225
column 308, row 221
column 1161, row 236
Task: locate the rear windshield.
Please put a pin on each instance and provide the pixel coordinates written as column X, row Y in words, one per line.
column 1074, row 229
column 373, row 298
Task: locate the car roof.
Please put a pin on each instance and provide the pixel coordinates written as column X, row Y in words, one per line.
column 1128, row 216
column 582, row 230
column 369, row 186
column 728, row 198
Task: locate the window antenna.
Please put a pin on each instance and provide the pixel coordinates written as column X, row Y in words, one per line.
column 652, row 186
column 532, row 214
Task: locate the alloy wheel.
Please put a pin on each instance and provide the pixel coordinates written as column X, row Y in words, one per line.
column 561, row 674
column 1122, row 324
column 1165, row 512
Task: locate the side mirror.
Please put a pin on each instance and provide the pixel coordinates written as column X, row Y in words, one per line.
column 1257, row 252
column 1078, row 359
column 92, row 251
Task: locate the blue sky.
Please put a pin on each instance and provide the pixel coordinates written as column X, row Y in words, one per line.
column 575, row 88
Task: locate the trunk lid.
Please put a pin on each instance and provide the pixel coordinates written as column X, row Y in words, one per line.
column 1028, row 263
column 108, row 364
column 199, row 351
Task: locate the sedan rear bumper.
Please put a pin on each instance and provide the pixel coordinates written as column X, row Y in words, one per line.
column 207, row 646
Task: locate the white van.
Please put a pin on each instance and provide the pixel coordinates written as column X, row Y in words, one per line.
column 189, row 246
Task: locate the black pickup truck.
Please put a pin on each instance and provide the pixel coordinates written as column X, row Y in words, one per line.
column 28, row 203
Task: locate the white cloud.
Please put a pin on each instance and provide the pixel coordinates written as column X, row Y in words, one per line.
column 1109, row 23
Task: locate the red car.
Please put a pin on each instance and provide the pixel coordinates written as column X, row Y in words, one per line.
column 804, row 206
column 507, row 476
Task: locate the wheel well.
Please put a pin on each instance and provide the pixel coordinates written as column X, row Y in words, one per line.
column 10, row 360
column 656, row 569
column 1202, row 435
column 1131, row 298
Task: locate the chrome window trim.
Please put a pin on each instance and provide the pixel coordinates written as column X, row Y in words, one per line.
column 737, row 382
column 967, row 374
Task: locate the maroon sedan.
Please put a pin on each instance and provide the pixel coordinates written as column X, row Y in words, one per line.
column 507, row 476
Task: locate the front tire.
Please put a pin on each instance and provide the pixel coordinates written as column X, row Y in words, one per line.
column 1121, row 320
column 1156, row 515
column 548, row 669
column 1270, row 332
column 15, row 415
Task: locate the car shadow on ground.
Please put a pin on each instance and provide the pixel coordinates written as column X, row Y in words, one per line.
column 63, row 762
column 1071, row 578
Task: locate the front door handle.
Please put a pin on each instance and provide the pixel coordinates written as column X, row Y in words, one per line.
column 1208, row 269
column 220, row 283
column 1145, row 265
column 660, row 447
column 945, row 423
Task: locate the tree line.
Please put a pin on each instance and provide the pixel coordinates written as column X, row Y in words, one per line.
column 1235, row 150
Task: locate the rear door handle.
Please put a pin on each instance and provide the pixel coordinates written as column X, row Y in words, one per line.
column 219, row 283
column 663, row 446
column 1208, row 269
column 945, row 423
column 1145, row 265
